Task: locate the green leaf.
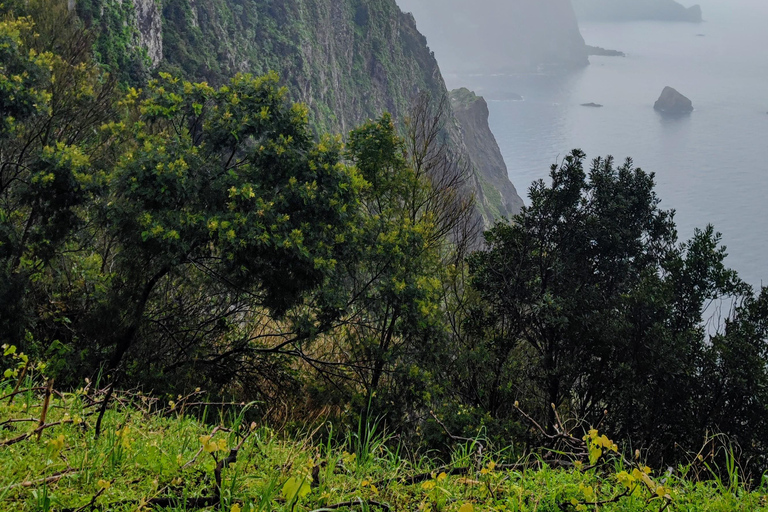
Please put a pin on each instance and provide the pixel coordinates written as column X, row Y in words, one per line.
column 296, row 489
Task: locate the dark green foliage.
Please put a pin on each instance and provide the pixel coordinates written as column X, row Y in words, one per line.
column 589, row 305
column 116, row 44
column 306, row 42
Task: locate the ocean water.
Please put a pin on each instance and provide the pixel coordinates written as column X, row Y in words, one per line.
column 711, row 166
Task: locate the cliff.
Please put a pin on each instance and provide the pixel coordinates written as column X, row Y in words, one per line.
column 348, row 60
column 635, row 10
column 496, row 193
column 490, row 36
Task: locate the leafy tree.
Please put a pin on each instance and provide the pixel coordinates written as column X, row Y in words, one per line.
column 228, row 182
column 417, row 217
column 736, row 382
column 55, row 99
column 589, row 304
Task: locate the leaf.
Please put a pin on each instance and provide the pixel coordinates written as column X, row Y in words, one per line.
column 295, row 489
column 467, row 507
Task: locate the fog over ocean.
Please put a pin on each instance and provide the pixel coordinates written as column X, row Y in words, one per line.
column 711, row 166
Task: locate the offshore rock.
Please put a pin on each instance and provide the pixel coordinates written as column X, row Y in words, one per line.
column 672, row 102
column 602, row 52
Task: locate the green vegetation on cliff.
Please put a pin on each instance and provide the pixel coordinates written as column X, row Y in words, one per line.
column 348, row 60
column 183, row 235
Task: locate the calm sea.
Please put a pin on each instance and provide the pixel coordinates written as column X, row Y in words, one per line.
column 711, row 166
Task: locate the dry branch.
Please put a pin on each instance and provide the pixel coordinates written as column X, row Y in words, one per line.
column 47, row 480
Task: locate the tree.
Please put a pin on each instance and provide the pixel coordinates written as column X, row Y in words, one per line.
column 228, row 182
column 589, row 295
column 417, row 217
column 53, row 100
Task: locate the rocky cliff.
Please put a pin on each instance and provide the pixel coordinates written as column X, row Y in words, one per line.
column 470, row 36
column 496, row 192
column 348, row 60
column 634, row 10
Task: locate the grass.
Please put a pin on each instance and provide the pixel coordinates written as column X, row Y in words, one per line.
column 151, row 450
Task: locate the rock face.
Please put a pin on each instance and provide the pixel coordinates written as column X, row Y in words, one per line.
column 490, row 36
column 672, row 102
column 496, row 193
column 150, row 28
column 348, row 60
column 635, row 10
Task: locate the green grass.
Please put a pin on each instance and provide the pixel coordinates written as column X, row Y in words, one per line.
column 148, row 450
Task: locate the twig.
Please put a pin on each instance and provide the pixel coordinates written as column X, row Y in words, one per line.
column 615, row 499
column 214, row 404
column 46, row 403
column 357, row 502
column 36, row 432
column 18, row 392
column 199, row 451
column 230, row 459
column 90, row 504
column 188, row 503
column 19, row 420
column 423, row 477
column 47, row 480
column 18, row 382
column 103, row 409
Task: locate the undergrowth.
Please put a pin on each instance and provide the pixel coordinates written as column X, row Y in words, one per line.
column 187, row 455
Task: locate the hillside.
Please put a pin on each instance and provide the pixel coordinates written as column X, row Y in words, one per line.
column 347, row 60
column 495, row 37
column 636, row 10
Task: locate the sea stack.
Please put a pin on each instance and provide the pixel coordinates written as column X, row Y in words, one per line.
column 672, row 102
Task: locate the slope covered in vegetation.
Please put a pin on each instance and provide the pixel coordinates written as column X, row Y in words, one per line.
column 182, row 235
column 348, row 61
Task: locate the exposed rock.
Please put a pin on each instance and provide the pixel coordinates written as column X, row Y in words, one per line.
column 602, row 52
column 635, row 10
column 594, row 105
column 150, row 27
column 496, row 194
column 672, row 102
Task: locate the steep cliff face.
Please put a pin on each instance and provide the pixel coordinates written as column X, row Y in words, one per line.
column 471, row 36
column 632, row 10
column 496, row 193
column 348, row 60
column 150, row 27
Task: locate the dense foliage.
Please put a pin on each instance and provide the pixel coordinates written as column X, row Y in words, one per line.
column 174, row 235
